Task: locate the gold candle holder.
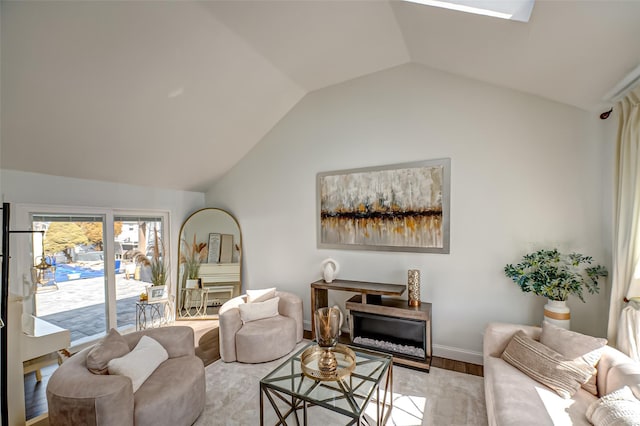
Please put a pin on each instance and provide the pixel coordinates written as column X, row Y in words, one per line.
column 414, row 287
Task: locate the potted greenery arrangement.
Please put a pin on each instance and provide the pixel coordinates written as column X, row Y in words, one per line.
column 159, row 270
column 555, row 276
column 191, row 257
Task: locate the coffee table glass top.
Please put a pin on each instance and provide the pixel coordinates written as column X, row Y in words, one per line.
column 348, row 396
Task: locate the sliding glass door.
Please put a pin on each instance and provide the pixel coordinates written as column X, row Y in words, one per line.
column 99, row 268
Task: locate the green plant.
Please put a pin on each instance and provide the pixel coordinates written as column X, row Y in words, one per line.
column 192, row 256
column 554, row 275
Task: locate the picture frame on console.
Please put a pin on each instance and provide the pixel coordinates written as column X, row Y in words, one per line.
column 398, row 207
column 213, row 255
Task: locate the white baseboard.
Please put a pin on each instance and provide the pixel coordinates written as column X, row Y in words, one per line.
column 457, row 354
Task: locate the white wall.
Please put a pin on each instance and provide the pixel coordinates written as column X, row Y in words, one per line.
column 527, row 173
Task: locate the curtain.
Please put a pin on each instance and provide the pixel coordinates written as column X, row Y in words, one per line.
column 629, row 330
column 626, row 244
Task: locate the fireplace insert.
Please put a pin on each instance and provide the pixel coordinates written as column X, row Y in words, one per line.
column 398, row 336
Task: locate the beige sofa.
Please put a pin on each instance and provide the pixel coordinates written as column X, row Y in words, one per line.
column 263, row 340
column 174, row 394
column 513, row 398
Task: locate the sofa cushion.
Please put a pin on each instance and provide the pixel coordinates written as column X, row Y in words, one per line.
column 173, row 395
column 259, row 310
column 261, row 295
column 574, row 345
column 513, row 398
column 618, row 408
column 141, row 362
column 112, row 346
column 563, row 375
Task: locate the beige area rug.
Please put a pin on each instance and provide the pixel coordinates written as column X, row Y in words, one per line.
column 441, row 397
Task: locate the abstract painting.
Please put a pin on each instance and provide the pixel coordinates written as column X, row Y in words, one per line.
column 401, row 207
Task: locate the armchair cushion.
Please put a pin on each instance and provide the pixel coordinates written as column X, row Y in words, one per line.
column 112, row 346
column 259, row 310
column 261, row 295
column 141, row 362
column 263, row 340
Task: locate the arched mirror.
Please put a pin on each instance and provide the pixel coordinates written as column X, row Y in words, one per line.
column 210, row 259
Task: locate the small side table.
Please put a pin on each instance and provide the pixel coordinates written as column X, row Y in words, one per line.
column 193, row 299
column 151, row 314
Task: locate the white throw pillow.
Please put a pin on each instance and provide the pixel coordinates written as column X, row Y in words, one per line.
column 259, row 310
column 618, row 408
column 261, row 295
column 141, row 362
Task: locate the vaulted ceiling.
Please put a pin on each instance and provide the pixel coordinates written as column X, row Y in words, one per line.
column 173, row 94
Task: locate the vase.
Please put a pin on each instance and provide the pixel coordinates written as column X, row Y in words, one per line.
column 557, row 312
column 413, row 283
column 330, row 269
column 328, row 322
column 192, row 283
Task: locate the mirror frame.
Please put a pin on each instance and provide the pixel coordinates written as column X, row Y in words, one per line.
column 179, row 269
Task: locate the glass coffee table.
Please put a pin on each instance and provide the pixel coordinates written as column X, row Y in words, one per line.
column 290, row 391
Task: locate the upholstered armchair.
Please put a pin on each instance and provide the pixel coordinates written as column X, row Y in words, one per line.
column 174, row 393
column 245, row 337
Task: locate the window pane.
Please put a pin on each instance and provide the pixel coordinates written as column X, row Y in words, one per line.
column 72, row 294
column 134, row 241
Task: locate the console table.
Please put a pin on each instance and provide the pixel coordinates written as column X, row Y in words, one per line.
column 371, row 293
column 386, row 324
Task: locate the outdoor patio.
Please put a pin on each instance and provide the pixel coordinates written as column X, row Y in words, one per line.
column 78, row 305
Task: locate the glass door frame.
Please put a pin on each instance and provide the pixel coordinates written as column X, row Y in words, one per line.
column 23, row 251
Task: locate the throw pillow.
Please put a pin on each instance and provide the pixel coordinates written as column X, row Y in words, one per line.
column 258, row 310
column 574, row 346
column 615, row 409
column 112, row 346
column 546, row 365
column 141, row 362
column 261, row 295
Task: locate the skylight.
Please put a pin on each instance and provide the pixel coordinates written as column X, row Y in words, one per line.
column 515, row 10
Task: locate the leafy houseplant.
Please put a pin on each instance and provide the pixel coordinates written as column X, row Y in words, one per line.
column 555, row 275
column 194, row 254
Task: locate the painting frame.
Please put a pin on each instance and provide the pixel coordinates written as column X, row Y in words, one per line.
column 434, row 190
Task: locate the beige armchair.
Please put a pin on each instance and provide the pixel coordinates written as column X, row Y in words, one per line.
column 262, row 340
column 174, row 394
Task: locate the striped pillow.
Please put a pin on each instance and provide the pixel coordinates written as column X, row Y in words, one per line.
column 565, row 376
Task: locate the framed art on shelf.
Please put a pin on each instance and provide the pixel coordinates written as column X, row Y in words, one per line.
column 213, row 255
column 226, row 248
column 156, row 292
column 400, row 207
